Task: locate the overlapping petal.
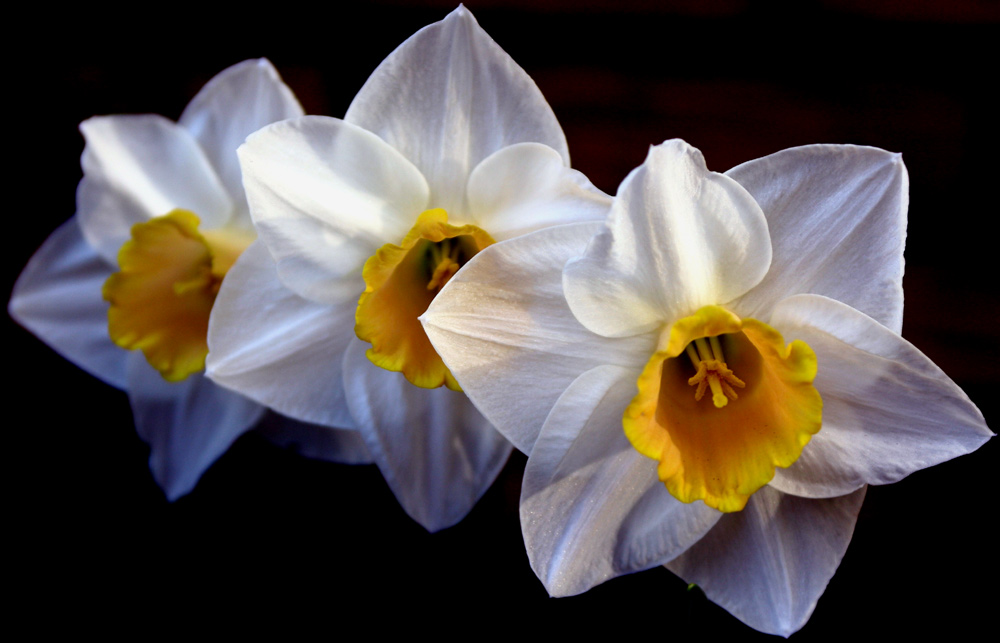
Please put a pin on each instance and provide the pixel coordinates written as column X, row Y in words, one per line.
column 343, row 446
column 888, row 410
column 437, row 452
column 449, row 97
column 592, row 507
column 262, row 333
column 548, row 192
column 58, row 298
column 253, row 85
column 506, row 332
column 768, row 564
column 324, row 195
column 426, row 134
column 187, row 424
column 678, row 238
column 139, row 167
column 837, row 219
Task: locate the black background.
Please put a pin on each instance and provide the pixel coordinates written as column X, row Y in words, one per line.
column 271, row 539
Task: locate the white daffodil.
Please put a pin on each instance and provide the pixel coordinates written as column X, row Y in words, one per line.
column 447, row 147
column 744, row 459
column 161, row 216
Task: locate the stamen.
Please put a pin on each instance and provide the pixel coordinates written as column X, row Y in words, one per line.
column 716, row 348
column 446, row 263
column 445, row 270
column 400, row 282
column 693, row 355
column 703, row 350
column 723, row 456
column 712, row 372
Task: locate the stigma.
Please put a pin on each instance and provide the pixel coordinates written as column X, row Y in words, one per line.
column 712, row 372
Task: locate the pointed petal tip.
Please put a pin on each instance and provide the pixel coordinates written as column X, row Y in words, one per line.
column 173, row 493
column 263, row 65
column 675, row 146
column 460, row 14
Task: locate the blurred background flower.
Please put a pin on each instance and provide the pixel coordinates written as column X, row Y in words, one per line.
column 310, row 540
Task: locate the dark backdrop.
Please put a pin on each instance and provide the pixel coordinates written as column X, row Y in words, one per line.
column 268, row 538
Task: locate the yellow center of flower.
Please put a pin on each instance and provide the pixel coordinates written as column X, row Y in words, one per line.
column 400, row 283
column 711, row 371
column 163, row 294
column 724, row 451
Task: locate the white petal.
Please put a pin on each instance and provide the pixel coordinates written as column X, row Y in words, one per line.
column 837, row 216
column 139, row 167
column 592, row 507
column 276, row 347
column 526, row 187
column 449, row 97
column 504, row 329
column 887, row 409
column 324, row 195
column 236, row 103
column 343, row 446
column 437, row 452
column 768, row 564
column 187, row 424
column 678, row 238
column 58, row 298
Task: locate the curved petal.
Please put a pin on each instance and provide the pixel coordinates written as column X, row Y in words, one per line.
column 447, row 98
column 547, row 192
column 58, row 298
column 324, row 195
column 139, row 167
column 187, row 424
column 276, row 347
column 887, row 409
column 233, row 105
column 436, row 451
column 768, row 564
column 592, row 507
column 678, row 238
column 837, row 216
column 504, row 330
column 343, row 446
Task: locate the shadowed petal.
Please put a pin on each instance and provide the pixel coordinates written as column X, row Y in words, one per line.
column 343, row 446
column 768, row 564
column 837, row 216
column 436, row 451
column 58, row 298
column 888, row 410
column 276, row 347
column 187, row 424
column 592, row 507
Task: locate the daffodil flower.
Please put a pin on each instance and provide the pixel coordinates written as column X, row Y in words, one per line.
column 161, row 216
column 711, row 379
column 448, row 147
